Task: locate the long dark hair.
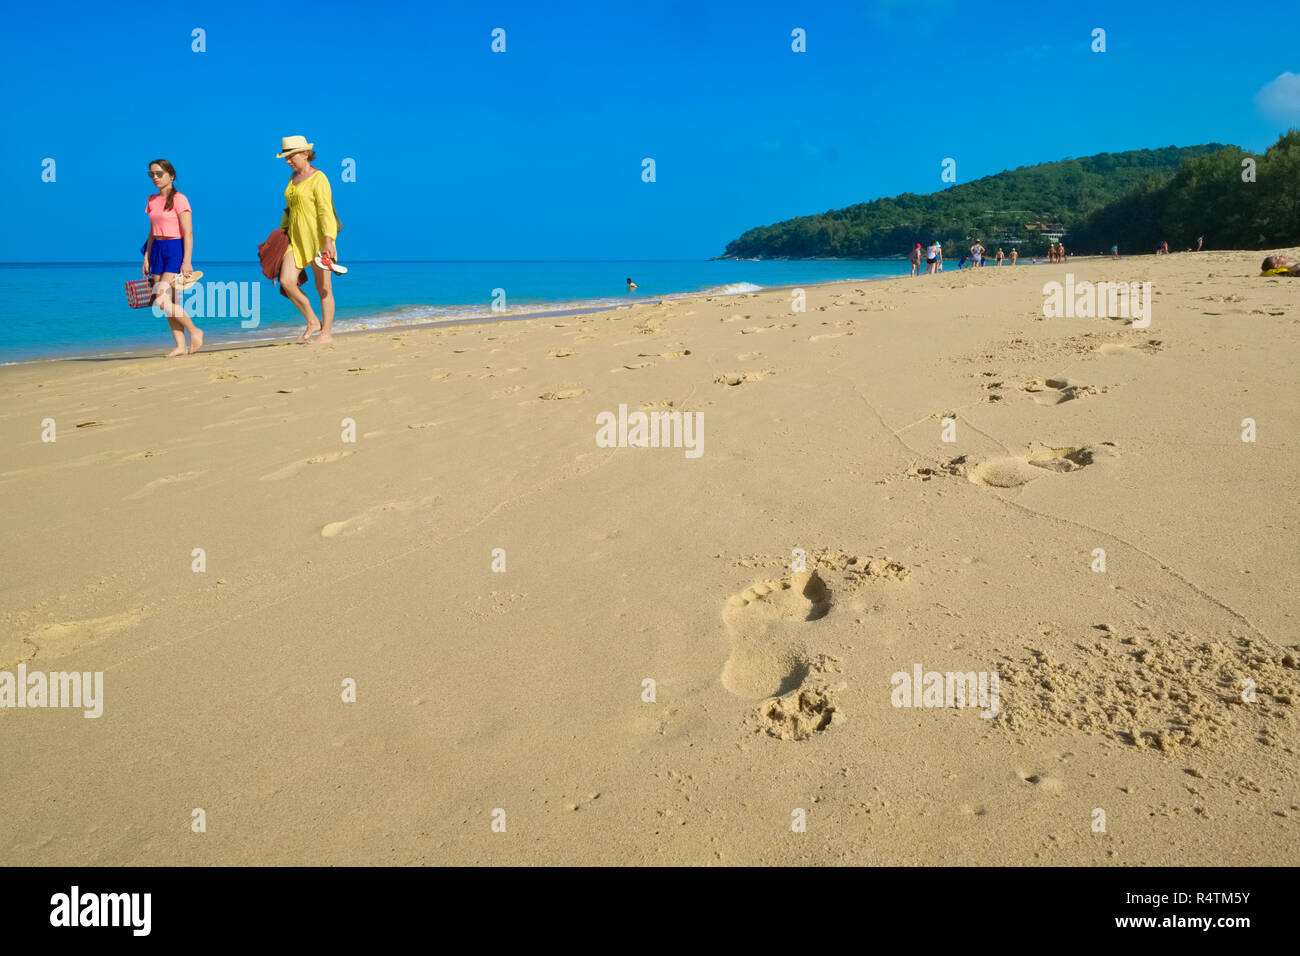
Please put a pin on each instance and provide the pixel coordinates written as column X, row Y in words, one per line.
column 170, row 170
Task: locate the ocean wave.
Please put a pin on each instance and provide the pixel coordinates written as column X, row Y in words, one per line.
column 733, row 288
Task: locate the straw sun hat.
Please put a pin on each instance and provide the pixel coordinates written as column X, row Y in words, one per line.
column 293, row 144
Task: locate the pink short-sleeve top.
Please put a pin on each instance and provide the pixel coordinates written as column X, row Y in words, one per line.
column 166, row 223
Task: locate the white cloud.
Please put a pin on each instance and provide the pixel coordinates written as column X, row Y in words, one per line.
column 1280, row 99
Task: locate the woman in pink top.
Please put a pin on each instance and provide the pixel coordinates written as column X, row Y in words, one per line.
column 167, row 253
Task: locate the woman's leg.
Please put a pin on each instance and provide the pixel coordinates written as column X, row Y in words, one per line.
column 163, row 299
column 289, row 284
column 170, row 303
column 326, row 294
column 178, row 333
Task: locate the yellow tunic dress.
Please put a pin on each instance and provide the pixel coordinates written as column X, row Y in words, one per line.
column 309, row 217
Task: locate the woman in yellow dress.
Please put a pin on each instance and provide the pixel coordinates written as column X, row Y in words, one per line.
column 311, row 224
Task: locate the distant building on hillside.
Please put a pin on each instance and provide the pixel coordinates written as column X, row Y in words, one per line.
column 1051, row 231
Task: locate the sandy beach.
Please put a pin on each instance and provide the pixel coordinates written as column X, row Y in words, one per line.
column 642, row 674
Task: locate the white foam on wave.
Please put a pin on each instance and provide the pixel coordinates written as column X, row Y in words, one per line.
column 735, row 288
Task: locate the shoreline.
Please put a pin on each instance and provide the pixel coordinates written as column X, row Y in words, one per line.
column 597, row 306
column 290, row 331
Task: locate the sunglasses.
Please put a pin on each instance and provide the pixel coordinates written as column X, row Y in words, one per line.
column 154, row 175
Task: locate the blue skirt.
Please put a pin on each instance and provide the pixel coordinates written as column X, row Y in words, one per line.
column 166, row 255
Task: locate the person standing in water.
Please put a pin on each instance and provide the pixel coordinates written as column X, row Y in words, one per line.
column 312, row 225
column 1014, row 256
column 916, row 260
column 631, row 286
column 167, row 253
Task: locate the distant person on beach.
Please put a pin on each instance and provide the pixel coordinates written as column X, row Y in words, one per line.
column 931, row 258
column 938, row 256
column 1114, row 251
column 1060, row 252
column 1000, row 256
column 631, row 286
column 1200, row 241
column 977, row 254
column 916, row 260
column 961, row 263
column 167, row 253
column 1014, row 256
column 312, row 225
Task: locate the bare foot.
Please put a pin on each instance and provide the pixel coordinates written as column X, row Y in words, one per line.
column 324, row 337
column 307, row 333
column 179, row 350
column 196, row 340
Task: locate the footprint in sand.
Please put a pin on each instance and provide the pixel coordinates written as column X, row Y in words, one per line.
column 288, row 471
column 768, row 625
column 740, row 378
column 768, row 656
column 560, row 353
column 1014, row 471
column 66, row 637
column 633, row 367
column 827, row 335
column 359, row 522
column 562, row 394
column 160, row 482
column 1148, row 347
column 508, row 390
column 1055, row 391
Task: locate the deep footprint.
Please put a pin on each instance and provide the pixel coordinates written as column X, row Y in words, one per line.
column 1055, row 391
column 1016, row 471
column 767, row 657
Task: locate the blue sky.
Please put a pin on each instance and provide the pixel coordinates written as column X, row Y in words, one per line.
column 536, row 153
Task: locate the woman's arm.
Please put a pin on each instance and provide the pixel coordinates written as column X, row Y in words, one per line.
column 325, row 218
column 148, row 246
column 187, row 233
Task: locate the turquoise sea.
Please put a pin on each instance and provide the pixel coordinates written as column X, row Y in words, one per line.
column 79, row 310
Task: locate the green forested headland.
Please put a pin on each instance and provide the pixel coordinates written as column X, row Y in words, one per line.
column 1135, row 199
column 1235, row 199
